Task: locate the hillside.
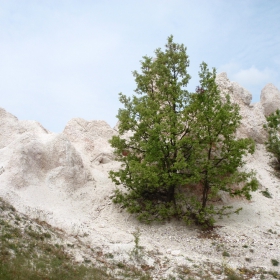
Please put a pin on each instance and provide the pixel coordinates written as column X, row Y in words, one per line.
column 62, row 180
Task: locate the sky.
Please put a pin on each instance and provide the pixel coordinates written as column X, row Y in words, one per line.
column 65, row 59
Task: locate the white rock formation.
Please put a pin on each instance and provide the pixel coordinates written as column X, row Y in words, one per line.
column 270, row 99
column 237, row 93
column 11, row 127
column 91, row 139
column 37, row 156
column 63, row 179
column 35, row 159
column 252, row 115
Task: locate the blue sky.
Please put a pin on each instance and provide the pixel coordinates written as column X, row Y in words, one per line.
column 65, row 59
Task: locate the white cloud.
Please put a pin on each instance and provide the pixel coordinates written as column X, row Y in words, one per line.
column 253, row 76
column 249, row 76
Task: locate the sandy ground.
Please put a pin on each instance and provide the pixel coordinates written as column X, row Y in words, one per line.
column 251, row 238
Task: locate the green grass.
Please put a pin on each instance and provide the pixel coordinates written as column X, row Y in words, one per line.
column 32, row 251
column 25, row 255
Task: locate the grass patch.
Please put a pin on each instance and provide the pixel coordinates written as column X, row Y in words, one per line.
column 266, row 193
column 226, row 254
column 274, row 262
column 32, row 251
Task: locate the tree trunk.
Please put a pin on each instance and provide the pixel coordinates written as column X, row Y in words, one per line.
column 206, row 189
column 171, row 198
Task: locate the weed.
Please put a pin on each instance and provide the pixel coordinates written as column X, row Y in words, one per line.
column 271, row 231
column 109, row 255
column 274, row 262
column 266, row 193
column 47, row 235
column 7, row 236
column 226, row 254
column 120, row 265
column 230, row 273
column 234, row 277
column 137, row 250
column 274, row 274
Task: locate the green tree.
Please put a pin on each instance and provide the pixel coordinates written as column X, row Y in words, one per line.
column 218, row 155
column 273, row 143
column 177, row 149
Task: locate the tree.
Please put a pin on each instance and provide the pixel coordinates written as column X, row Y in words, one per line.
column 213, row 121
column 273, row 144
column 177, row 149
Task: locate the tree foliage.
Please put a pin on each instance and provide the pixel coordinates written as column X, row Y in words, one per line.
column 178, row 149
column 273, row 143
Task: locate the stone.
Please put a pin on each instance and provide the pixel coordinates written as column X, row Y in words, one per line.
column 253, row 118
column 91, row 138
column 175, row 252
column 270, row 99
column 237, row 93
column 252, row 123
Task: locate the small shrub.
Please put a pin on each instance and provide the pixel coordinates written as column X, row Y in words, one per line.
column 7, row 236
column 226, row 254
column 109, row 255
column 274, row 262
column 231, row 274
column 47, row 235
column 234, row 277
column 266, row 193
column 273, row 142
column 137, row 250
column 120, row 265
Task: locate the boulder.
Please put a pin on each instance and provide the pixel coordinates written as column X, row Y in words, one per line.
column 270, row 99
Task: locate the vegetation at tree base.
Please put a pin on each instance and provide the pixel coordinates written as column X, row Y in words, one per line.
column 273, row 144
column 178, row 149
